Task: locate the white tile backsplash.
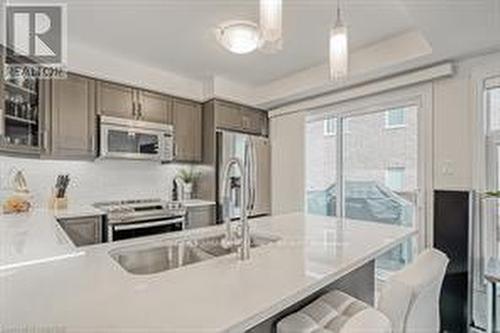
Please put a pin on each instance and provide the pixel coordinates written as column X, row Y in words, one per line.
column 91, row 181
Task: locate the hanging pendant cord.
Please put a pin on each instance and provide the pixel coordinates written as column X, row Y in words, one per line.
column 339, row 16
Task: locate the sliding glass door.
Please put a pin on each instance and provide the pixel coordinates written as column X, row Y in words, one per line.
column 487, row 226
column 364, row 166
column 321, row 166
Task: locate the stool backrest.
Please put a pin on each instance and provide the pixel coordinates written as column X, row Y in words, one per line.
column 410, row 298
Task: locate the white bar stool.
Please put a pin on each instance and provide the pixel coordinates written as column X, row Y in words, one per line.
column 408, row 303
column 336, row 312
column 410, row 298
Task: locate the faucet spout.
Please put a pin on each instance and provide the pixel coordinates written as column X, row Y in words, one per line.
column 229, row 241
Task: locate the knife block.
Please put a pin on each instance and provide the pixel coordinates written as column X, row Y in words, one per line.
column 58, row 203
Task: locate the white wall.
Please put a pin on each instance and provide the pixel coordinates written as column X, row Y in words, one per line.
column 456, row 124
column 288, row 163
column 91, row 181
column 452, row 133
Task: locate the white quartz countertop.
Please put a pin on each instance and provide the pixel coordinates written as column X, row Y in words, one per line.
column 36, row 236
column 92, row 293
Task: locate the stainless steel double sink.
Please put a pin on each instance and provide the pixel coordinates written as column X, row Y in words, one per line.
column 154, row 258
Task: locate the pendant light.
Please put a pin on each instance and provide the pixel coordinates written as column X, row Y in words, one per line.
column 271, row 25
column 339, row 53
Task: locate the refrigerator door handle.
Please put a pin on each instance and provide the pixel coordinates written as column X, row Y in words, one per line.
column 248, row 173
column 482, row 246
column 254, row 174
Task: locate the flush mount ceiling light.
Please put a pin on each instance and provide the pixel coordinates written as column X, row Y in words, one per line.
column 339, row 53
column 271, row 25
column 239, row 37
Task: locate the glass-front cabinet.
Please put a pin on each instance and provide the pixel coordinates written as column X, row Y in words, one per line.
column 20, row 127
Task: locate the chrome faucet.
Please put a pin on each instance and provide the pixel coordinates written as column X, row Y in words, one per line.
column 242, row 243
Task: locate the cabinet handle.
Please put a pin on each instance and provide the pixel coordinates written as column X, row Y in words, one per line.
column 45, row 140
column 245, row 122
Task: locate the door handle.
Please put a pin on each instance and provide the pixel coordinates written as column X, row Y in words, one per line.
column 92, row 143
column 45, row 140
column 254, row 174
column 250, row 175
column 142, row 225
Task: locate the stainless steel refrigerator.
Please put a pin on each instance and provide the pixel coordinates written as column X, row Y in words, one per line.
column 258, row 169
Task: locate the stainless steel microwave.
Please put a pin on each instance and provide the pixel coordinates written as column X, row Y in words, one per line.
column 134, row 139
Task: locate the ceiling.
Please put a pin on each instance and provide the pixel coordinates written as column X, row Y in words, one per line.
column 177, row 35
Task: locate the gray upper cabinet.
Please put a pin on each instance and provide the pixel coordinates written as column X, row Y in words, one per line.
column 187, row 120
column 126, row 102
column 154, row 107
column 228, row 115
column 240, row 118
column 116, row 100
column 72, row 118
column 253, row 121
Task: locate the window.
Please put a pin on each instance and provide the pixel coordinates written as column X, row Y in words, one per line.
column 330, row 126
column 492, row 221
column 347, row 171
column 394, row 178
column 395, row 118
column 493, row 104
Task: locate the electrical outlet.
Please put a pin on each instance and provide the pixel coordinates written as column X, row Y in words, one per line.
column 448, row 168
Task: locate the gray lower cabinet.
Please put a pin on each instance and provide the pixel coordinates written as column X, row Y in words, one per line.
column 200, row 216
column 83, row 230
column 72, row 118
column 187, row 120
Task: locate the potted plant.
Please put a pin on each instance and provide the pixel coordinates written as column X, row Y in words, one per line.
column 188, row 177
column 492, row 194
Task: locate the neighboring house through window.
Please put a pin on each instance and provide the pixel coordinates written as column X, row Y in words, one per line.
column 330, row 126
column 394, row 178
column 395, row 118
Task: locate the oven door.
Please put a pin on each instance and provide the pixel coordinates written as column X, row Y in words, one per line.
column 131, row 143
column 142, row 229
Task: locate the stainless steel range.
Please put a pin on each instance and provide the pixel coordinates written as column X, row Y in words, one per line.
column 137, row 218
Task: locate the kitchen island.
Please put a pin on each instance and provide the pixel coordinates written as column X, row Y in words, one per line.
column 93, row 293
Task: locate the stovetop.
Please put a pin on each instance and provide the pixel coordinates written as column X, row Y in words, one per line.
column 129, row 211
